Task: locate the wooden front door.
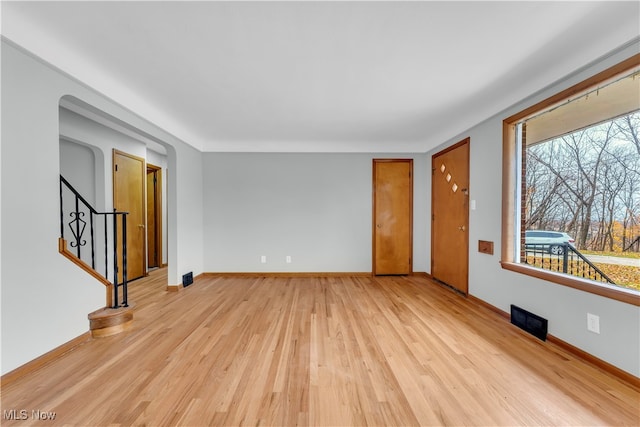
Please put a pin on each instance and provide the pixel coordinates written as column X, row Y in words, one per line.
column 392, row 216
column 450, row 216
column 154, row 216
column 129, row 196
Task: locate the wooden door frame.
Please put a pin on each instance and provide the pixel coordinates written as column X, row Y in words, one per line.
column 158, row 211
column 459, row 144
column 373, row 222
column 144, row 197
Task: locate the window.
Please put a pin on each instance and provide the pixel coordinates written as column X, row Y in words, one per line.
column 571, row 185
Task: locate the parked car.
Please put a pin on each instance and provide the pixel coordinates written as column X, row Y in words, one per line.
column 554, row 240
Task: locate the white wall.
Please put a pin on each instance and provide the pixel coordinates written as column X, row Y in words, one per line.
column 186, row 216
column 45, row 298
column 317, row 208
column 565, row 308
column 78, row 165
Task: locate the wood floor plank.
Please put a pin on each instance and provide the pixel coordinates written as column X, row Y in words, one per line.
column 321, row 351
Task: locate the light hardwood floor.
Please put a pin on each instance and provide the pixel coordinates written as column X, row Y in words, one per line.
column 336, row 351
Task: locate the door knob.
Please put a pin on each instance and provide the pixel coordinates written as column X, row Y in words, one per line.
column 461, row 228
column 379, row 225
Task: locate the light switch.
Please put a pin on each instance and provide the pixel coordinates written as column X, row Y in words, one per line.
column 593, row 323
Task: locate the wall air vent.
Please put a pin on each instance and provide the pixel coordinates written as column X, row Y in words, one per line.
column 187, row 279
column 535, row 325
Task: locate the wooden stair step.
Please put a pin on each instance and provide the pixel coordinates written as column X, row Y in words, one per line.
column 110, row 321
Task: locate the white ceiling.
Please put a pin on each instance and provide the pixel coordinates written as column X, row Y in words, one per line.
column 333, row 76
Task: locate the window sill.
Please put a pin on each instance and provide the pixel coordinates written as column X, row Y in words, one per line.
column 620, row 294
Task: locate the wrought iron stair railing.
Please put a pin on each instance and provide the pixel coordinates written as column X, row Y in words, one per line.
column 103, row 247
column 633, row 246
column 563, row 258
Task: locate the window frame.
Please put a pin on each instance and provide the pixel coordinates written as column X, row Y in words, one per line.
column 509, row 194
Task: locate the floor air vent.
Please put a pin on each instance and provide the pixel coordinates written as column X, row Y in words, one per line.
column 187, row 279
column 535, row 325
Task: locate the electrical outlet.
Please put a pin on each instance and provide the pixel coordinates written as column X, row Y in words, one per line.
column 593, row 323
column 263, row 259
column 288, row 259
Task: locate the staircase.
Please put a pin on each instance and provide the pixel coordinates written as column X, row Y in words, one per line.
column 97, row 243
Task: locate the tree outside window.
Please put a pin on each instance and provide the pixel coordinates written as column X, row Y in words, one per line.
column 587, row 184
